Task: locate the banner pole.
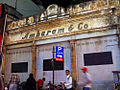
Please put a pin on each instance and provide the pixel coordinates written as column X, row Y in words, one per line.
column 53, row 65
column 2, row 43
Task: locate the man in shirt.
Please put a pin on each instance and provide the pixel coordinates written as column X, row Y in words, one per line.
column 87, row 84
column 68, row 83
column 40, row 83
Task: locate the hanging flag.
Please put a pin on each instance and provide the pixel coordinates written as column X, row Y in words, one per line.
column 3, row 18
column 0, row 10
column 2, row 22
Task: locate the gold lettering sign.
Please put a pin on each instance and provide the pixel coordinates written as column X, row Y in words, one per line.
column 61, row 30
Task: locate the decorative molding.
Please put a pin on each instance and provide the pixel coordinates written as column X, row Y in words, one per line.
column 98, row 42
column 54, row 12
column 17, row 50
column 101, row 29
column 66, row 27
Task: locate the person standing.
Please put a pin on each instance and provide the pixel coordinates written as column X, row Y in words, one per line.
column 40, row 83
column 68, row 83
column 14, row 82
column 30, row 83
column 87, row 84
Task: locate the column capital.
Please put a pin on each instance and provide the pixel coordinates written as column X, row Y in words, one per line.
column 72, row 41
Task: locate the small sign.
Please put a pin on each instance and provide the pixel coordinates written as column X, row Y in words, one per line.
column 59, row 53
column 59, row 59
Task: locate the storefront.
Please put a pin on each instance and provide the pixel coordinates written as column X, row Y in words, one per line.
column 88, row 32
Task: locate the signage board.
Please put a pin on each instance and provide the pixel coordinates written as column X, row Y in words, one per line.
column 59, row 53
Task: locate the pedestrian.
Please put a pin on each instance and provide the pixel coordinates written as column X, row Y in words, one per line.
column 40, row 83
column 68, row 83
column 30, row 83
column 14, row 82
column 87, row 84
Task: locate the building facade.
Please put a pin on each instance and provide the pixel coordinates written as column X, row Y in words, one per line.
column 89, row 33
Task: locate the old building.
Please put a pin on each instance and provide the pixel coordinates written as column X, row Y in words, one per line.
column 89, row 33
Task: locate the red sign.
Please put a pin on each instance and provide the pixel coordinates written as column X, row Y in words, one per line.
column 59, row 59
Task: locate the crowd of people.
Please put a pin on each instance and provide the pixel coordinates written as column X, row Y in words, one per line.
column 32, row 84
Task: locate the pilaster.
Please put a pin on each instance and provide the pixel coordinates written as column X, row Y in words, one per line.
column 73, row 63
column 3, row 59
column 34, row 60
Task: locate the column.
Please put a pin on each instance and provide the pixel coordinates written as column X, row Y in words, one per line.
column 34, row 60
column 118, row 35
column 3, row 59
column 73, row 63
column 3, row 65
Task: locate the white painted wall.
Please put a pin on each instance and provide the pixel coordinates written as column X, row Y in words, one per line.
column 101, row 74
column 16, row 56
column 45, row 52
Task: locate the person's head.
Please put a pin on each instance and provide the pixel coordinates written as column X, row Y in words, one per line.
column 5, row 84
column 84, row 69
column 67, row 72
column 30, row 75
column 43, row 79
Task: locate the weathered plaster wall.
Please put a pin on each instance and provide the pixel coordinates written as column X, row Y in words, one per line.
column 16, row 56
column 45, row 52
column 101, row 74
